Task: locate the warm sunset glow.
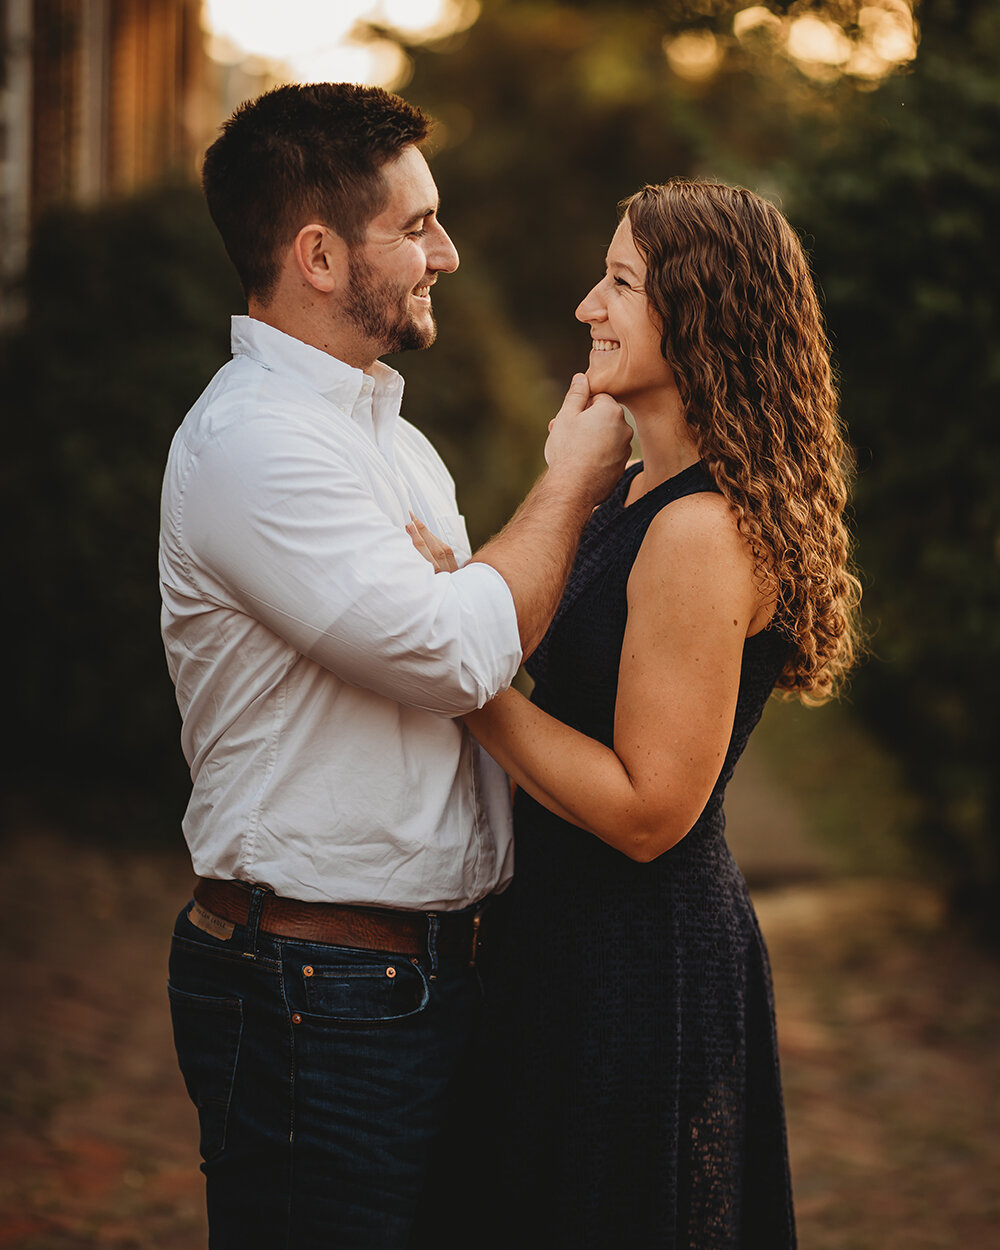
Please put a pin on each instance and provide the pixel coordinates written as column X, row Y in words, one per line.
column 885, row 38
column 889, row 30
column 694, row 55
column 312, row 40
column 811, row 39
column 755, row 18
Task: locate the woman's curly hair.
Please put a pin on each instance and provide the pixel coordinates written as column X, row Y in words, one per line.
column 743, row 334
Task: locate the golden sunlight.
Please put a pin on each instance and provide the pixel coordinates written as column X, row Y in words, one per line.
column 694, row 55
column 313, row 40
column 884, row 38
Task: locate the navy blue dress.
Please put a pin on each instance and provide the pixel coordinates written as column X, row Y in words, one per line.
column 630, row 1082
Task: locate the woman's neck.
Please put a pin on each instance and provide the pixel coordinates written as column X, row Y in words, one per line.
column 668, row 446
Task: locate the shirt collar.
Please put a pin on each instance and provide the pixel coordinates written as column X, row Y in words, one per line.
column 340, row 383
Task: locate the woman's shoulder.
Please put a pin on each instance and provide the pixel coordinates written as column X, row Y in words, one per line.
column 694, row 534
column 701, row 517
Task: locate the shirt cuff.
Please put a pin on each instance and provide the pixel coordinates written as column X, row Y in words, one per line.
column 488, row 607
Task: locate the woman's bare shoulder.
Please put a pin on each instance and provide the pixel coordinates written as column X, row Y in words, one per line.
column 694, row 549
column 701, row 520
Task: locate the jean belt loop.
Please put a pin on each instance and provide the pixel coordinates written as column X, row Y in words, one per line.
column 253, row 920
column 433, row 929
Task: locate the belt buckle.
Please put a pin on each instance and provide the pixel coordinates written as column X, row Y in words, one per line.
column 477, row 920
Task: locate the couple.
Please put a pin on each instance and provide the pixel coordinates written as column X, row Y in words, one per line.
column 343, row 673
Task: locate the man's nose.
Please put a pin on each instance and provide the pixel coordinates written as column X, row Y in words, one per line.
column 442, row 255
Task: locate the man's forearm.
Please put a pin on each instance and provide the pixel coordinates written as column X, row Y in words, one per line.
column 534, row 552
column 586, row 451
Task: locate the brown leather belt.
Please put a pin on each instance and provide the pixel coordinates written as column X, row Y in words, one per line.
column 336, row 924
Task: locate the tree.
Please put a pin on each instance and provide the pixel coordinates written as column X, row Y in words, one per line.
column 128, row 315
column 902, row 201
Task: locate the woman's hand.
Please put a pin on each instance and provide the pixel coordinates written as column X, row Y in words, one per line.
column 434, row 551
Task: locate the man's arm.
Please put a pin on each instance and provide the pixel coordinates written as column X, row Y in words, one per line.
column 275, row 522
column 588, row 446
column 278, row 524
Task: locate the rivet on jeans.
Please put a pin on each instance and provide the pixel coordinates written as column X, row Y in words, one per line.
column 390, row 971
column 296, row 1018
column 307, row 971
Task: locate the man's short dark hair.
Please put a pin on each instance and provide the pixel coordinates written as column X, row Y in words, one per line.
column 297, row 154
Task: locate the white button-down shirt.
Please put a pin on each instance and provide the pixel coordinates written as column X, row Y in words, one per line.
column 318, row 659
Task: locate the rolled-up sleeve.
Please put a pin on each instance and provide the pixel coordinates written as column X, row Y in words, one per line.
column 281, row 526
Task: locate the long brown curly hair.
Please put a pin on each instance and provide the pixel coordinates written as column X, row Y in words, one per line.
column 743, row 334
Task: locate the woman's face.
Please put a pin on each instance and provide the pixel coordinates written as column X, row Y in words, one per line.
column 625, row 356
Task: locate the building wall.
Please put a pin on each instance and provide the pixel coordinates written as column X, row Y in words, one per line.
column 98, row 98
column 15, row 151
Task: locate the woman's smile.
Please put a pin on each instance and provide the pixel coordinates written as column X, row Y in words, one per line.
column 625, row 356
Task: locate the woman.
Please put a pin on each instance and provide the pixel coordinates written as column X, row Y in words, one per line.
column 631, row 1065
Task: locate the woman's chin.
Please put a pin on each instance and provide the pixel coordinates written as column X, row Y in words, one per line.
column 594, row 374
column 600, row 381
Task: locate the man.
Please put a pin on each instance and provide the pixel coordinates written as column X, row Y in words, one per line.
column 345, row 829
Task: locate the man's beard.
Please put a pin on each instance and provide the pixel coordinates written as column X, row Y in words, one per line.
column 382, row 314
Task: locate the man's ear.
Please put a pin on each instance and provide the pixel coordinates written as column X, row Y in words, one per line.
column 321, row 257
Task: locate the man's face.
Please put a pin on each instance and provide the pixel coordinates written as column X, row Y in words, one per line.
column 392, row 271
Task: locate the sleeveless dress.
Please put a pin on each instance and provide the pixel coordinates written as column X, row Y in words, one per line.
column 630, row 1087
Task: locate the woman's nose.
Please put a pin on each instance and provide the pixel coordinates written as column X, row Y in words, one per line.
column 591, row 306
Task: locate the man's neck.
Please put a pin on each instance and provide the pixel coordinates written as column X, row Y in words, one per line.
column 335, row 337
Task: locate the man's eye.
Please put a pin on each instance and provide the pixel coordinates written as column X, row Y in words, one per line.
column 417, row 234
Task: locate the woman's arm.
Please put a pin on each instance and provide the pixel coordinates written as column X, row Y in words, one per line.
column 691, row 597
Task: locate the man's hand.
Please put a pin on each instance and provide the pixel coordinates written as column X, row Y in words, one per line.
column 587, row 449
column 589, row 439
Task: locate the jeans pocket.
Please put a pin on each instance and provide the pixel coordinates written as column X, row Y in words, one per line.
column 207, row 1035
column 357, row 988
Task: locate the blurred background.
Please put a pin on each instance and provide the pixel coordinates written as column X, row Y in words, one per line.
column 869, row 830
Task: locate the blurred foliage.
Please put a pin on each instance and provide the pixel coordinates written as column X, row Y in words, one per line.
column 903, row 199
column 128, row 310
column 548, row 116
column 551, row 112
column 482, row 396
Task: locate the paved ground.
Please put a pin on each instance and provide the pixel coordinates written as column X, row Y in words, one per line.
column 888, row 1023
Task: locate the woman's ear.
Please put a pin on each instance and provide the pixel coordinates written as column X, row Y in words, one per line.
column 321, row 257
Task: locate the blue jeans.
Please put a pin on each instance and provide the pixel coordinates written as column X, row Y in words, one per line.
column 326, row 1079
